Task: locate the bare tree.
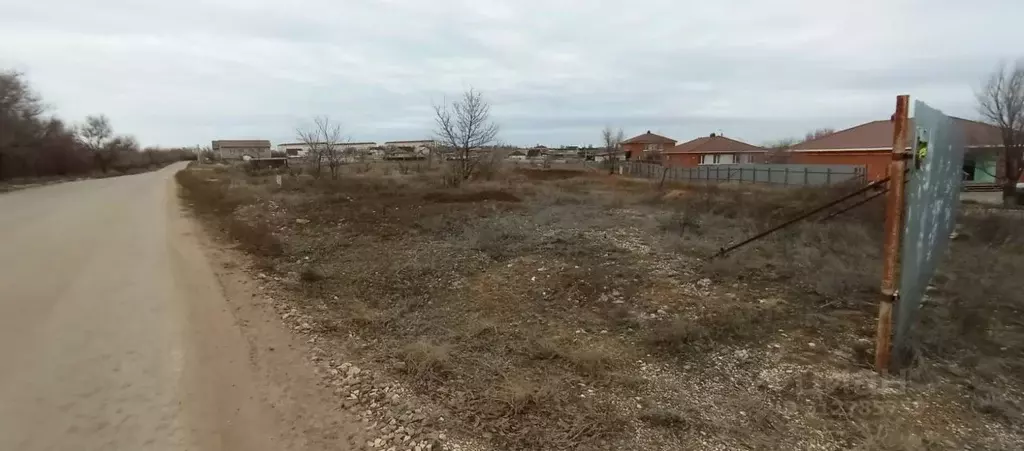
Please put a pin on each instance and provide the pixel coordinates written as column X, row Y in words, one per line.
column 818, row 133
column 462, row 126
column 95, row 134
column 778, row 151
column 123, row 152
column 333, row 144
column 612, row 140
column 1001, row 103
column 325, row 142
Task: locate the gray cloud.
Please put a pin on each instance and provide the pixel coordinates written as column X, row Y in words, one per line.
column 556, row 71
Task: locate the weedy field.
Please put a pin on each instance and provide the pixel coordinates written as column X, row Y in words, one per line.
column 553, row 309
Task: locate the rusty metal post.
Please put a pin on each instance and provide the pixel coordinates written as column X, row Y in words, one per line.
column 893, row 233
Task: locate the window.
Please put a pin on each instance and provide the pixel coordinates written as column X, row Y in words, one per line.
column 652, row 147
column 292, row 152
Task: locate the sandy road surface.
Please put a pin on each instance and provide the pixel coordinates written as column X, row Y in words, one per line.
column 116, row 335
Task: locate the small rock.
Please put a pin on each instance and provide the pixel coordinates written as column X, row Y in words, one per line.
column 378, row 443
column 353, row 371
column 301, row 221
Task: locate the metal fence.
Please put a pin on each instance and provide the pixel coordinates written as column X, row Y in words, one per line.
column 933, row 188
column 777, row 174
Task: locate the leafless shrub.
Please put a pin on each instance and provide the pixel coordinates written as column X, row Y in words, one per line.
column 490, row 165
column 257, row 238
column 33, row 145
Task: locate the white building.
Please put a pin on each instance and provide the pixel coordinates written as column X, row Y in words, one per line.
column 299, row 150
column 417, row 147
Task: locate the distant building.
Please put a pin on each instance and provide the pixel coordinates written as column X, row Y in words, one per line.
column 416, row 147
column 300, row 150
column 229, row 149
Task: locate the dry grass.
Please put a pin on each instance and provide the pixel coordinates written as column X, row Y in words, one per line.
column 571, row 310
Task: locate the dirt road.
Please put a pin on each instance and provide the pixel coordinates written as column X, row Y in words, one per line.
column 115, row 334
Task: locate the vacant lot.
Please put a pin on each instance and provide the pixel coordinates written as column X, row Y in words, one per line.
column 571, row 310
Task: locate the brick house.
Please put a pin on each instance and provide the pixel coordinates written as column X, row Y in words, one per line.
column 870, row 145
column 711, row 150
column 235, row 149
column 646, row 147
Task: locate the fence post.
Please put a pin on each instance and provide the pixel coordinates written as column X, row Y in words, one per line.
column 769, row 175
column 786, row 180
column 828, row 176
column 894, row 203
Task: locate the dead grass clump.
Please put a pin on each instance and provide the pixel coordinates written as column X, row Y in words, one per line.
column 686, row 334
column 990, row 401
column 426, row 361
column 889, row 437
column 549, row 174
column 471, row 196
column 518, row 395
column 207, row 194
column 311, row 274
column 665, row 418
column 257, row 238
column 590, row 362
column 499, row 237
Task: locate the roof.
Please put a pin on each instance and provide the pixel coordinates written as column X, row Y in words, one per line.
column 714, row 144
column 340, row 144
column 240, row 143
column 411, row 142
column 877, row 135
column 650, row 138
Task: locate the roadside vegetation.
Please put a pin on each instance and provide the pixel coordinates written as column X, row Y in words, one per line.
column 556, row 309
column 38, row 147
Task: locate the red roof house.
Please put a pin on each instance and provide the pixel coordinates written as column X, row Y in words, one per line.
column 646, row 147
column 870, row 145
column 713, row 149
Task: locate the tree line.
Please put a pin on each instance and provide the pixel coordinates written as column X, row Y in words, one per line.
column 34, row 143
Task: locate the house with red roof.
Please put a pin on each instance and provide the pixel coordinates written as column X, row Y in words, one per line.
column 646, row 147
column 870, row 145
column 711, row 150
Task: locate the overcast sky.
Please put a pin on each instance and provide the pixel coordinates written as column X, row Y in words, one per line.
column 188, row 71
